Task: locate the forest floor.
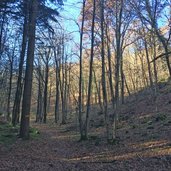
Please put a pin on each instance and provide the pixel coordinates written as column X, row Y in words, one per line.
column 143, row 144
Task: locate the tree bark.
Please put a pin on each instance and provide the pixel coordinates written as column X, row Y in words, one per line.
column 81, row 73
column 26, row 105
column 18, row 94
column 90, row 70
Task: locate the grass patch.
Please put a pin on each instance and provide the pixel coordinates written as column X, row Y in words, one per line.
column 8, row 134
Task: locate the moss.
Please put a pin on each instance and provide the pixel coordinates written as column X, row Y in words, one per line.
column 8, row 134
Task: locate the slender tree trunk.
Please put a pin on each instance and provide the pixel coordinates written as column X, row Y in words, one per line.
column 118, row 60
column 57, row 88
column 90, row 71
column 40, row 97
column 155, row 74
column 144, row 78
column 57, row 99
column 65, row 85
column 98, row 91
column 18, row 94
column 107, row 122
column 46, row 91
column 148, row 64
column 81, row 73
column 122, row 83
column 110, row 68
column 1, row 30
column 126, row 85
column 25, row 117
column 50, row 95
column 10, row 87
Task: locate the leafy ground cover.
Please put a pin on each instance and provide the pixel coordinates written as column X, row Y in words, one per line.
column 143, row 143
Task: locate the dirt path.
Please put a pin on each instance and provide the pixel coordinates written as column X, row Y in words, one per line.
column 58, row 148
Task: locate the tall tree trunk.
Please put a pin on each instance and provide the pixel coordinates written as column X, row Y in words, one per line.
column 118, row 59
column 122, row 83
column 148, row 63
column 65, row 89
column 90, row 71
column 10, row 87
column 46, row 91
column 126, row 85
column 40, row 97
column 98, row 91
column 81, row 73
column 1, row 30
column 62, row 83
column 57, row 87
column 18, row 94
column 50, row 95
column 110, row 67
column 155, row 73
column 103, row 73
column 26, row 105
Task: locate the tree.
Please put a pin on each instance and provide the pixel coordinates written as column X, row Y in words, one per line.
column 25, row 117
column 16, row 107
column 90, row 71
column 149, row 13
column 80, row 74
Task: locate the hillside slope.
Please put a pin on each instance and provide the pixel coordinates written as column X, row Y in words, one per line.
column 143, row 144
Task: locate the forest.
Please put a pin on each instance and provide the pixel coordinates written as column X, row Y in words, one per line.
column 85, row 85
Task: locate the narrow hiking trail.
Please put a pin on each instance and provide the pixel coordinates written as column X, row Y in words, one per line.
column 58, row 148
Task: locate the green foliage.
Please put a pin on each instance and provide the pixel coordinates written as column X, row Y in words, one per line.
column 34, row 133
column 8, row 134
column 161, row 117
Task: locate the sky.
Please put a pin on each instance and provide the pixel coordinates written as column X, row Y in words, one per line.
column 70, row 13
